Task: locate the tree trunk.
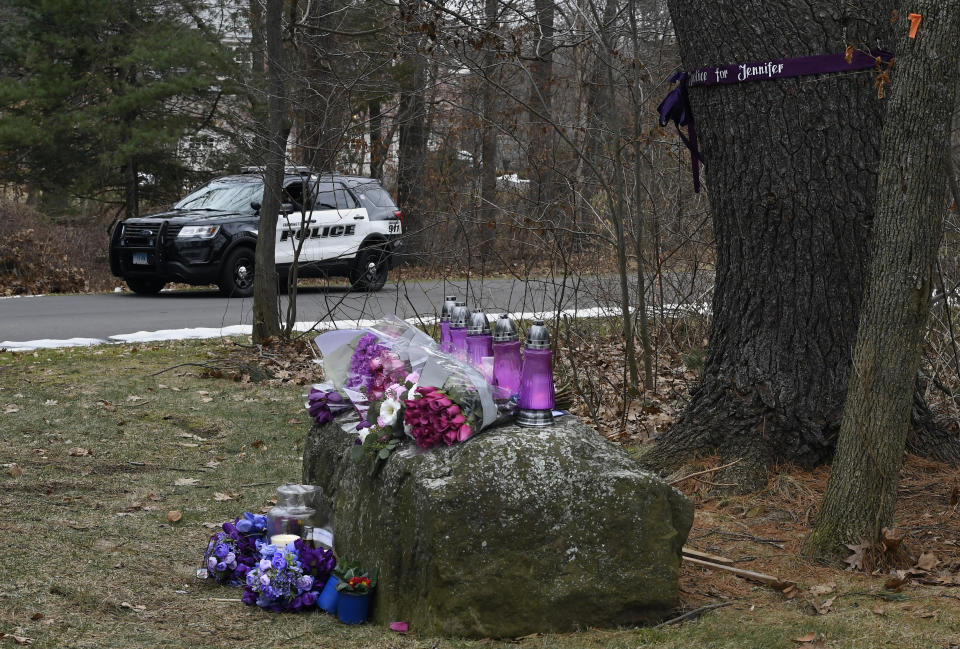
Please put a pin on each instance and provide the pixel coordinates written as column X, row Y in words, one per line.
column 862, row 489
column 488, row 129
column 266, row 317
column 131, row 197
column 791, row 168
column 320, row 106
column 541, row 136
column 377, row 146
column 412, row 137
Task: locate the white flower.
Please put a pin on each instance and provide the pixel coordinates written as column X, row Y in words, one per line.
column 389, row 411
column 412, row 394
column 362, row 435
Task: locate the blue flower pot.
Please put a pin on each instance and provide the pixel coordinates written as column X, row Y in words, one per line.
column 353, row 609
column 329, row 596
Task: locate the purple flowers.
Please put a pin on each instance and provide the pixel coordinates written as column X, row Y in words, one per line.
column 433, row 418
column 361, row 372
column 323, row 405
column 288, row 578
column 232, row 552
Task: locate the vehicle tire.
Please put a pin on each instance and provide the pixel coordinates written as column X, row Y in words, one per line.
column 365, row 277
column 237, row 274
column 142, row 286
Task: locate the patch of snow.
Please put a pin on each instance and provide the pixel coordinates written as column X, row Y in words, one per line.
column 47, row 343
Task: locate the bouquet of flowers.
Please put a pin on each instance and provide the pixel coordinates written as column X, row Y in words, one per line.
column 432, row 416
column 232, row 552
column 288, row 578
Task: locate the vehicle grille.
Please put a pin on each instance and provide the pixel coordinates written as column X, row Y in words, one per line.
column 145, row 234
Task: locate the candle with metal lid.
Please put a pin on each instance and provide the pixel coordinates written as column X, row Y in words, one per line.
column 507, row 359
column 459, row 318
column 536, row 398
column 446, row 342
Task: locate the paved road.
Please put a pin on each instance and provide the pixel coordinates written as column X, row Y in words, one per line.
column 102, row 316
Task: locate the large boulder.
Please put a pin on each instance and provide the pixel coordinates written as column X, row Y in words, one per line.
column 517, row 530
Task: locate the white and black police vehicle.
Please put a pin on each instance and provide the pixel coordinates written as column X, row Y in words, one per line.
column 349, row 226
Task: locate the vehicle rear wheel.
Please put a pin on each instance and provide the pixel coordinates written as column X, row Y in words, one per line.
column 237, row 278
column 369, row 272
column 142, row 286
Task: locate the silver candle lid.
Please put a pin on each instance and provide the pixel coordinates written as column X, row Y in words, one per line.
column 449, row 301
column 504, row 331
column 537, row 336
column 478, row 324
column 460, row 315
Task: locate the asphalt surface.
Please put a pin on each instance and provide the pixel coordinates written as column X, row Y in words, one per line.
column 100, row 316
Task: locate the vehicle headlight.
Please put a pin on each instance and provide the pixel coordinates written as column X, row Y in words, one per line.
column 198, row 232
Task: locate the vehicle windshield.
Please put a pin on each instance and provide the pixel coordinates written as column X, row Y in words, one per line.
column 223, row 197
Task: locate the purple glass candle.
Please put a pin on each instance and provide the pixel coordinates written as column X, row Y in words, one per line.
column 507, row 359
column 446, row 342
column 458, row 329
column 536, row 398
column 536, row 380
column 479, row 339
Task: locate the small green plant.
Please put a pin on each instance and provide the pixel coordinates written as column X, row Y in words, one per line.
column 354, row 579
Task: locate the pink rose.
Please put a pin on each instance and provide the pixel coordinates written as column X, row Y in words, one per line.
column 464, row 433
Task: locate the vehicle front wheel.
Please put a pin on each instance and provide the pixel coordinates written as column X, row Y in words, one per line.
column 370, row 270
column 237, row 278
column 145, row 286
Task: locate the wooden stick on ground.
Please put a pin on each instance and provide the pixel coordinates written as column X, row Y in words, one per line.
column 713, row 470
column 706, row 556
column 768, row 580
column 695, row 613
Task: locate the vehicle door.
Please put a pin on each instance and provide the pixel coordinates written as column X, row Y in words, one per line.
column 295, row 225
column 340, row 223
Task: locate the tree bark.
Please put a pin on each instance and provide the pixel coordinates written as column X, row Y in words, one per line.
column 266, row 316
column 412, row 136
column 541, row 136
column 377, row 146
column 488, row 129
column 862, row 489
column 791, row 168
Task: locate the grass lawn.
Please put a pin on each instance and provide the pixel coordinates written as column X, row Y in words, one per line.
column 98, row 449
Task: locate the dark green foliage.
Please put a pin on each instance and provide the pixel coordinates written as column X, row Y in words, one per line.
column 96, row 94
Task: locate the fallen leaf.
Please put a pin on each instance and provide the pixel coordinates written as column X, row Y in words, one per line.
column 79, row 451
column 174, row 515
column 219, row 495
column 36, row 616
column 896, row 581
column 211, row 526
column 212, row 464
column 925, row 614
column 188, row 444
column 10, row 409
column 824, row 607
column 823, row 589
column 19, row 639
column 134, row 397
column 108, row 406
column 879, row 610
column 50, row 402
column 927, row 561
column 810, row 637
column 186, row 482
column 161, row 386
column 855, row 560
column 206, row 399
column 15, row 471
column 138, row 607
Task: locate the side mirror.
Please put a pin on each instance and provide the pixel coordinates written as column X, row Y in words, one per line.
column 255, row 205
column 287, row 208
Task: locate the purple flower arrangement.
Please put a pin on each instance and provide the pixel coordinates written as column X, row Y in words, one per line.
column 360, row 375
column 288, row 578
column 232, row 552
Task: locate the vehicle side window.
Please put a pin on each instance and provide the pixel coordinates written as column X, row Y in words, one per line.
column 334, row 199
column 378, row 196
column 293, row 193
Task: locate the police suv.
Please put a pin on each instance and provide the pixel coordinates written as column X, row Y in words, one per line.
column 342, row 225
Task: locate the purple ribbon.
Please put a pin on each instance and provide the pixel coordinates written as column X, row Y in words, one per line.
column 676, row 106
